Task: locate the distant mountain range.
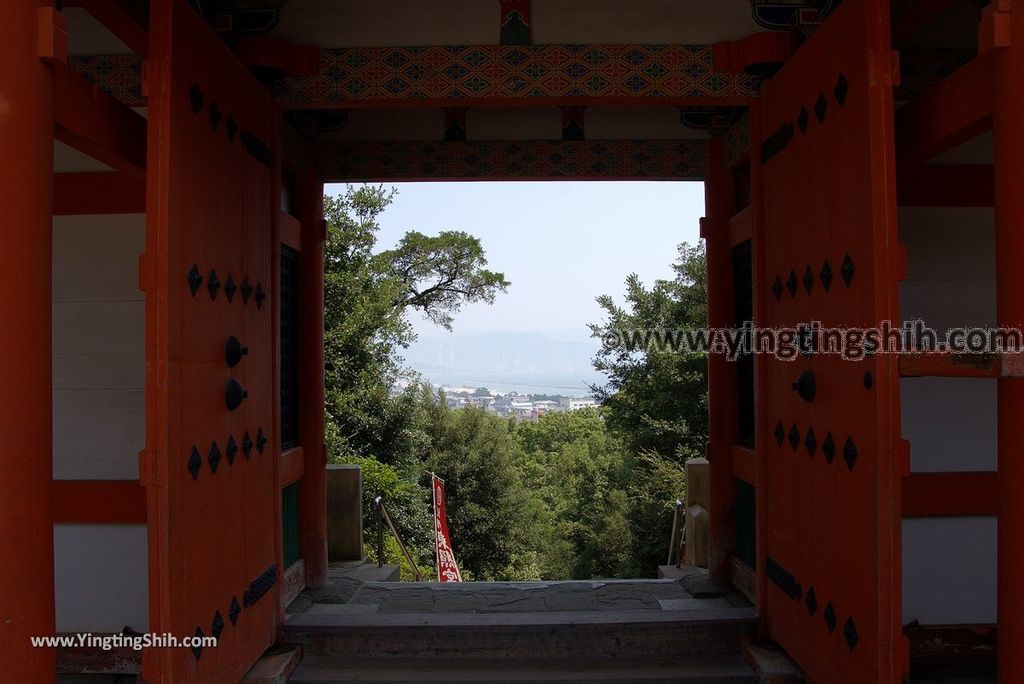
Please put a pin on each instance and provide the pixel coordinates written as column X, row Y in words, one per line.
column 526, row 362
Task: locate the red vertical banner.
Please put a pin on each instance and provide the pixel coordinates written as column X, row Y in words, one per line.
column 447, row 568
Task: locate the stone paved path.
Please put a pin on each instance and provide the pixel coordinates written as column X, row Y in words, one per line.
column 353, row 597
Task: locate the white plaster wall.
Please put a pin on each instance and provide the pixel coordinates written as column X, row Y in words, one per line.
column 101, row 577
column 415, row 123
column 950, row 266
column 949, row 564
column 98, row 347
column 949, row 570
column 514, row 123
column 637, row 123
column 950, row 423
column 98, row 414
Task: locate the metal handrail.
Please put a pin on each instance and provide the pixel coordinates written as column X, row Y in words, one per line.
column 382, row 516
column 678, row 521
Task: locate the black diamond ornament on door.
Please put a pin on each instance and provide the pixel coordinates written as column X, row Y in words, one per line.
column 826, row 275
column 850, row 453
column 828, row 447
column 811, row 601
column 846, row 270
column 811, row 442
column 217, row 626
column 830, row 617
column 195, row 462
column 214, row 457
column 820, row 107
column 842, row 89
column 194, row 279
column 850, row 633
column 794, row 436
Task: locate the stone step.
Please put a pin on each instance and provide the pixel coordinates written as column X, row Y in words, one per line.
column 578, row 634
column 721, row 669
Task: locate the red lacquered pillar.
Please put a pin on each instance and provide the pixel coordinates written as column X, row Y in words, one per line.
column 722, row 399
column 26, row 229
column 313, row 488
column 1008, row 148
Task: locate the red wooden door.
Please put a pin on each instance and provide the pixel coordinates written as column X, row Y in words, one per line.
column 832, row 523
column 209, row 467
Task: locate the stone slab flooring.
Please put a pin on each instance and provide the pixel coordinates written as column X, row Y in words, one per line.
column 348, row 596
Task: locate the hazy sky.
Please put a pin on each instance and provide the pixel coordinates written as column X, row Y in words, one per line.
column 559, row 243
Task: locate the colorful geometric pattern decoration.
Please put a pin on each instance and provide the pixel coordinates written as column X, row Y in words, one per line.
column 515, row 22
column 515, row 160
column 501, row 72
column 475, row 73
column 119, row 75
column 785, row 15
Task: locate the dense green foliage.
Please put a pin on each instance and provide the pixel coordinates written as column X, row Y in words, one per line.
column 574, row 495
column 656, row 399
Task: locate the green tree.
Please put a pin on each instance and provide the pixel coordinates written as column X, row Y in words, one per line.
column 581, row 472
column 657, row 398
column 490, row 512
column 438, row 274
column 367, row 297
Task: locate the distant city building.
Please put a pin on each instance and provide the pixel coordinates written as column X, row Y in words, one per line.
column 576, row 403
column 522, row 410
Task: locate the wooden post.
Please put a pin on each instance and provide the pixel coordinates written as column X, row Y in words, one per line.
column 26, row 419
column 313, row 487
column 721, row 373
column 1008, row 146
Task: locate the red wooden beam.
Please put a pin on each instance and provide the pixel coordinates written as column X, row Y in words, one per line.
column 286, row 58
column 291, row 231
column 98, row 501
column 104, row 192
column 118, row 21
column 947, row 185
column 292, row 466
column 741, row 226
column 744, row 464
column 930, row 495
column 949, row 113
column 758, row 52
column 93, row 122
